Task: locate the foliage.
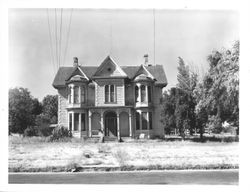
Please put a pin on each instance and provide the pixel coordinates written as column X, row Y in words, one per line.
column 43, row 125
column 178, row 112
column 60, row 133
column 23, row 109
column 30, row 132
column 179, row 103
column 50, row 107
column 218, row 92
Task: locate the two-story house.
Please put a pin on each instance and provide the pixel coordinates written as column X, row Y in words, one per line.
column 123, row 101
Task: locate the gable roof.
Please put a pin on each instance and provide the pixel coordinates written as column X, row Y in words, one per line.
column 64, row 72
column 142, row 70
column 107, row 62
column 77, row 71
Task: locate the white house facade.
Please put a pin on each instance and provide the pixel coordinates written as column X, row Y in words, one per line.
column 122, row 101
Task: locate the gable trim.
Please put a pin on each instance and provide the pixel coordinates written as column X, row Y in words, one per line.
column 123, row 74
column 144, row 68
column 77, row 68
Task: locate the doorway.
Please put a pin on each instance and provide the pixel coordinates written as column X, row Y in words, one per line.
column 111, row 124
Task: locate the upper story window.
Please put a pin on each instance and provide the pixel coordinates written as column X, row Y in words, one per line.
column 77, row 94
column 83, row 93
column 109, row 93
column 149, row 94
column 136, row 94
column 143, row 93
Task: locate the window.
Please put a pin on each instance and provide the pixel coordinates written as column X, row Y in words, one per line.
column 144, row 120
column 70, row 121
column 136, row 94
column 143, row 93
column 83, row 128
column 70, row 95
column 112, row 93
column 76, row 94
column 83, row 94
column 109, row 93
column 149, row 94
column 137, row 117
column 150, row 120
column 106, row 93
column 76, row 121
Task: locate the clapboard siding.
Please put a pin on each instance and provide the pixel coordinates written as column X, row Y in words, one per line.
column 62, row 104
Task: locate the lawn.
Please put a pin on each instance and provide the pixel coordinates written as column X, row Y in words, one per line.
column 35, row 154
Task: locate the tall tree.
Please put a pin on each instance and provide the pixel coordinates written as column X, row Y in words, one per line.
column 23, row 109
column 186, row 83
column 218, row 92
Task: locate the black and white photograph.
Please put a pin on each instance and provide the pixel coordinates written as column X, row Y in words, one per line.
column 145, row 96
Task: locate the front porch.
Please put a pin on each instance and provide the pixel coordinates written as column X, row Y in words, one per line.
column 112, row 122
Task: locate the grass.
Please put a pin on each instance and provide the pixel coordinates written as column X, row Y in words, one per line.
column 36, row 154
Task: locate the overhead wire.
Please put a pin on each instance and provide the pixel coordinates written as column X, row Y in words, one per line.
column 60, row 38
column 51, row 43
column 154, row 34
column 67, row 38
column 56, row 39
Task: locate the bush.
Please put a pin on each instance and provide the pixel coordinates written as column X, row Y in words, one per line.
column 30, row 131
column 45, row 131
column 60, row 133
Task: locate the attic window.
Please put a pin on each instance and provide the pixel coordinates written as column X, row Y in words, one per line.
column 109, row 69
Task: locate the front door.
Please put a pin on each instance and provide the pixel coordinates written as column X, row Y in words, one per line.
column 111, row 124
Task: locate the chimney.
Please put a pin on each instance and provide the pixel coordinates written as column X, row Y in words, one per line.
column 146, row 59
column 75, row 64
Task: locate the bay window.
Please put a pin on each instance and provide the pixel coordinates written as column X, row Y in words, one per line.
column 143, row 93
column 76, row 94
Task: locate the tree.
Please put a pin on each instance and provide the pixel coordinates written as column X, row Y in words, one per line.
column 168, row 112
column 187, row 81
column 178, row 112
column 50, row 108
column 23, row 109
column 218, row 93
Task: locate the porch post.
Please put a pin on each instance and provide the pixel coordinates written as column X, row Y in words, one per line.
column 80, row 124
column 130, row 124
column 69, row 121
column 102, row 127
column 90, row 133
column 140, row 119
column 118, row 126
column 73, row 122
column 148, row 124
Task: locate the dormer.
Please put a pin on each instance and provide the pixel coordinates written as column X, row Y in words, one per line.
column 77, row 83
column 143, row 84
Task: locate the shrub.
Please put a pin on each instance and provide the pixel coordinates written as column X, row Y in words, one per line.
column 30, row 131
column 45, row 131
column 60, row 133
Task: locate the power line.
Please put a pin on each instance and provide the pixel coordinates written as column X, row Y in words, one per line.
column 56, row 38
column 154, row 34
column 51, row 44
column 68, row 33
column 60, row 38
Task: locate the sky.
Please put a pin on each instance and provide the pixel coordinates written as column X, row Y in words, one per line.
column 125, row 35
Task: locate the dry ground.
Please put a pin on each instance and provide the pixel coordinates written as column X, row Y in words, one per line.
column 34, row 154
